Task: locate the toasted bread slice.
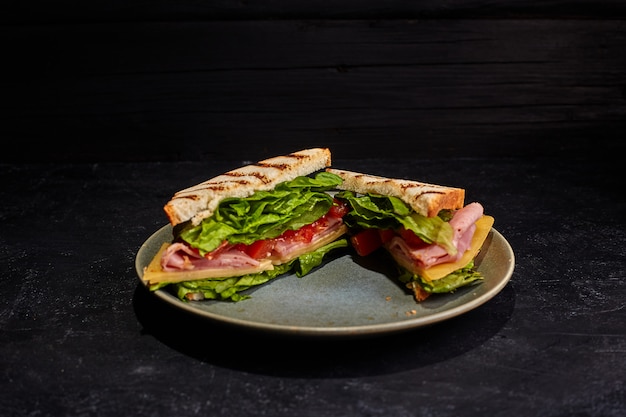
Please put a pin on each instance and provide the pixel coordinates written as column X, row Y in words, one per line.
column 426, row 199
column 200, row 201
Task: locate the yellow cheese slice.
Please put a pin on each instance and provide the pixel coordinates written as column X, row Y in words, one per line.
column 154, row 274
column 483, row 227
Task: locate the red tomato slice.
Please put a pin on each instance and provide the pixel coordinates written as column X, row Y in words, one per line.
column 307, row 232
column 263, row 248
column 338, row 209
column 386, row 235
column 366, row 241
column 304, row 234
column 260, row 249
column 411, row 238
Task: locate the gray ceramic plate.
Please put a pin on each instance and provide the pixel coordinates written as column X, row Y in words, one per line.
column 346, row 296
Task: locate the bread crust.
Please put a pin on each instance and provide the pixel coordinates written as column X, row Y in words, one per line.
column 424, row 198
column 200, row 201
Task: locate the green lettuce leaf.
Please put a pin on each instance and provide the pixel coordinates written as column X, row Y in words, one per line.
column 265, row 214
column 451, row 282
column 231, row 288
column 388, row 212
column 310, row 260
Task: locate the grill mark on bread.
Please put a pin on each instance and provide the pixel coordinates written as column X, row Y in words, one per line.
column 406, row 186
column 284, row 165
column 426, row 199
column 403, row 185
column 416, row 197
column 256, row 174
column 238, row 179
column 221, row 186
column 280, row 167
column 213, row 186
column 188, row 197
column 198, row 202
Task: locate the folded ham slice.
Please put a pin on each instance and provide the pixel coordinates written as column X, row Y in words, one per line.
column 463, row 224
column 181, row 257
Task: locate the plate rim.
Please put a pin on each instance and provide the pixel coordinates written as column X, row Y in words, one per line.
column 357, row 330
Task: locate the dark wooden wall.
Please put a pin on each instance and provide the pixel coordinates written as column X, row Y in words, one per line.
column 204, row 80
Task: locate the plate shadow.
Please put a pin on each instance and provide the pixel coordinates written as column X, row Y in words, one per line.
column 309, row 356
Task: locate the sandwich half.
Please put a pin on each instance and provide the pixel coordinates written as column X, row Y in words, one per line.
column 250, row 225
column 430, row 233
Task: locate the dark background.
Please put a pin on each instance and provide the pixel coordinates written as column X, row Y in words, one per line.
column 109, row 107
column 193, row 80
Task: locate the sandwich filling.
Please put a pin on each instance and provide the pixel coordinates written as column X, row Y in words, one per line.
column 434, row 254
column 422, row 255
column 254, row 223
column 249, row 240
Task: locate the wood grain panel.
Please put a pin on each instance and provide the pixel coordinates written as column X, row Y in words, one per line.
column 66, row 11
column 197, row 90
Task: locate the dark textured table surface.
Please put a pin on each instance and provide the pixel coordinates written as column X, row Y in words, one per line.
column 80, row 336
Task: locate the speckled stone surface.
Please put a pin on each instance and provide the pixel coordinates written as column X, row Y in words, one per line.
column 80, row 336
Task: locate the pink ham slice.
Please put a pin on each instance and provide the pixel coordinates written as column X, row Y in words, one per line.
column 285, row 250
column 463, row 224
column 180, row 257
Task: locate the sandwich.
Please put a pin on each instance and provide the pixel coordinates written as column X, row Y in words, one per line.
column 428, row 231
column 247, row 226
